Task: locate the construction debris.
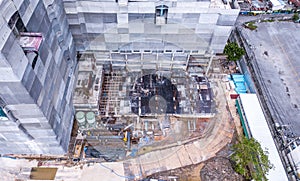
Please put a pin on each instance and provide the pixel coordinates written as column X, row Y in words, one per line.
column 219, row 168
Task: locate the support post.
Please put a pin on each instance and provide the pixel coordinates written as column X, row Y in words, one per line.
column 209, row 64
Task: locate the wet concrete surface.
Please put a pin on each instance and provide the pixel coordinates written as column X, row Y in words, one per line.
column 156, row 94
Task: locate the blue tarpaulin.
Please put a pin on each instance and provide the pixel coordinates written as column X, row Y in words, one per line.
column 2, row 114
column 239, row 82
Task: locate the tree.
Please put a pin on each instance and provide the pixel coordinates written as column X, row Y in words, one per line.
column 295, row 17
column 233, row 51
column 250, row 159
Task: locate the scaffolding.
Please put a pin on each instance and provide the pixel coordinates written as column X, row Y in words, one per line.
column 145, row 98
column 109, row 103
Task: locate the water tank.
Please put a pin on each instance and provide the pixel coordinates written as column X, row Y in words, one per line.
column 90, row 117
column 80, row 117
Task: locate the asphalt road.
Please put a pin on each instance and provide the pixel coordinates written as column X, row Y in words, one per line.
column 276, row 46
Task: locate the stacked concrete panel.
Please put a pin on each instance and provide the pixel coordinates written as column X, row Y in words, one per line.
column 36, row 86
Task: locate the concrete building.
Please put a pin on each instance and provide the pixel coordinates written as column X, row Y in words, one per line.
column 39, row 40
column 141, row 33
column 37, row 62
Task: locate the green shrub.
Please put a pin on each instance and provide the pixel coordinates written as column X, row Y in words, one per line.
column 251, row 25
column 295, row 17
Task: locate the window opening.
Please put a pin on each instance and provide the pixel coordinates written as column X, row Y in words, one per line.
column 161, row 14
column 16, row 24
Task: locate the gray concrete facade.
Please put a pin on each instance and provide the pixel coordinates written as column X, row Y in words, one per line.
column 36, row 87
column 191, row 25
column 118, row 27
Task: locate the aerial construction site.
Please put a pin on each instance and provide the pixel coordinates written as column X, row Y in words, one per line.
column 128, row 111
column 151, row 120
column 122, row 88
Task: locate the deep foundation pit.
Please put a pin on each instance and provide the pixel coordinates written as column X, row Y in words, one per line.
column 148, row 110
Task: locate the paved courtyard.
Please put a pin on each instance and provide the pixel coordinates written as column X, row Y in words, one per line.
column 276, row 46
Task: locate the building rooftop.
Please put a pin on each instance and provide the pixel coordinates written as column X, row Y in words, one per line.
column 260, row 131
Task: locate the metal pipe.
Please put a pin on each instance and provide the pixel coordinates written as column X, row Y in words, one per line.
column 128, row 140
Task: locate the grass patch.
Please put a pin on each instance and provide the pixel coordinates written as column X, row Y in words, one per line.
column 251, row 26
column 268, row 20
